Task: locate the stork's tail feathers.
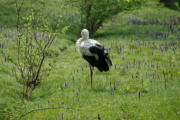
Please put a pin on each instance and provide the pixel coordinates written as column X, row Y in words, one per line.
column 104, row 62
column 107, row 59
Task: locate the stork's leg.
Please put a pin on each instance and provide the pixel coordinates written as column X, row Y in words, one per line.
column 91, row 73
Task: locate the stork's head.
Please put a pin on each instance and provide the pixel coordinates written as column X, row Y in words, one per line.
column 85, row 34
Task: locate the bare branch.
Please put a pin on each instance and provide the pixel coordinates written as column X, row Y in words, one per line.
column 40, row 109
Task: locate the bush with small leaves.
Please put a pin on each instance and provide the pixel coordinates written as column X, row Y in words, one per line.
column 32, row 46
column 95, row 12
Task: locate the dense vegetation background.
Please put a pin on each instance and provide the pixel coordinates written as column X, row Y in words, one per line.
column 144, row 43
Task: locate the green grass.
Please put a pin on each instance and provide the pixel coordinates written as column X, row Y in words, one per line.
column 114, row 95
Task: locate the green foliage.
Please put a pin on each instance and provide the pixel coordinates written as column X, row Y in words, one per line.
column 95, row 12
column 31, row 48
column 4, row 112
column 171, row 3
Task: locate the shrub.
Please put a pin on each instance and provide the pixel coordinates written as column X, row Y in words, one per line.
column 31, row 48
column 95, row 12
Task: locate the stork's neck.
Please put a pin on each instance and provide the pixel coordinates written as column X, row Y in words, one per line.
column 85, row 37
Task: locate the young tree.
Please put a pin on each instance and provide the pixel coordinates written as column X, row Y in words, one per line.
column 31, row 48
column 95, row 12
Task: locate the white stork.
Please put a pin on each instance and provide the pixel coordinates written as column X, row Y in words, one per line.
column 94, row 52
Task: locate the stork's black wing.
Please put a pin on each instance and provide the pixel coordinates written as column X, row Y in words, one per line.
column 103, row 59
column 91, row 60
column 98, row 49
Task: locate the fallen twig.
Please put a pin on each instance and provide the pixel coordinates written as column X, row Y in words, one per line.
column 40, row 109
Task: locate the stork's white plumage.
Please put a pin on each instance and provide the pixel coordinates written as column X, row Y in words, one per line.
column 94, row 52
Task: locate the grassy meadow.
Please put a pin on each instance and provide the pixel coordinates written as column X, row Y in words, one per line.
column 142, row 84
